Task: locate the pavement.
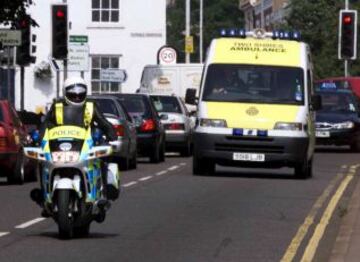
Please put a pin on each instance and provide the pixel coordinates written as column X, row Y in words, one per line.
column 347, row 243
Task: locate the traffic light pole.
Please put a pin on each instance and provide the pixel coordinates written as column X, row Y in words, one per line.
column 65, row 69
column 22, row 87
column 8, row 73
column 346, row 62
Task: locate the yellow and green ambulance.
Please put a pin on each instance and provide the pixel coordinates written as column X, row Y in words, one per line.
column 256, row 105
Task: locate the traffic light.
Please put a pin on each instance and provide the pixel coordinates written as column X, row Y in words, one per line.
column 59, row 31
column 347, row 34
column 23, row 56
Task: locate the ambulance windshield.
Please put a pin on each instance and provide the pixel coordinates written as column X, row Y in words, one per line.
column 254, row 84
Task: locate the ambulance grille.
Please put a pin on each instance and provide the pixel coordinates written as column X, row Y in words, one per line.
column 249, row 148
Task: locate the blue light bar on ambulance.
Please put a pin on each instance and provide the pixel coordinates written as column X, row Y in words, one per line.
column 259, row 33
column 286, row 35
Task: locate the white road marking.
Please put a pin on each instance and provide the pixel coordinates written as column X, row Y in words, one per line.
column 4, row 234
column 30, row 223
column 161, row 173
column 173, row 168
column 145, row 178
column 130, row 184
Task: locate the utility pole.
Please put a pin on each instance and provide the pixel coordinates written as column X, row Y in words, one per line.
column 346, row 64
column 262, row 22
column 201, row 30
column 187, row 30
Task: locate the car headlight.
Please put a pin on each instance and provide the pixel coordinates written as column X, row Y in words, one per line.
column 212, row 122
column 344, row 125
column 65, row 157
column 288, row 126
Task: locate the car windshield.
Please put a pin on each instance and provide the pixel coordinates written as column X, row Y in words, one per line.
column 254, row 84
column 338, row 102
column 107, row 106
column 135, row 105
column 166, row 104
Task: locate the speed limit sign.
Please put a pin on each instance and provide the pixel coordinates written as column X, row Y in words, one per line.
column 167, row 55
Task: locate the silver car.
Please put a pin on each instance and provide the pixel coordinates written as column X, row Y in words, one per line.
column 126, row 153
column 177, row 123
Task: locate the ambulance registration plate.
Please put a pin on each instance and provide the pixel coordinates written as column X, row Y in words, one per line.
column 249, row 157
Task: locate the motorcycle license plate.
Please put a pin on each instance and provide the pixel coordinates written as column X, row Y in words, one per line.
column 249, row 157
column 322, row 134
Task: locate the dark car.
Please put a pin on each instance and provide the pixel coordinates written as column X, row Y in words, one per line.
column 150, row 131
column 116, row 114
column 338, row 122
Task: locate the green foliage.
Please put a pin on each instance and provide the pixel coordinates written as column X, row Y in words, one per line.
column 216, row 14
column 317, row 21
column 12, row 9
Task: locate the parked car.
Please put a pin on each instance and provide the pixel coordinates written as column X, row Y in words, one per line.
column 116, row 114
column 177, row 123
column 13, row 137
column 150, row 131
column 338, row 122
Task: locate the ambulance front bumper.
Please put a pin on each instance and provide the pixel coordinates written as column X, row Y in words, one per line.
column 268, row 151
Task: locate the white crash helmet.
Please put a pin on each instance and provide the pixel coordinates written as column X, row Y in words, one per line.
column 74, row 91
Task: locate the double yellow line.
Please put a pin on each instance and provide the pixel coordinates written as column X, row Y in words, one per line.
column 324, row 221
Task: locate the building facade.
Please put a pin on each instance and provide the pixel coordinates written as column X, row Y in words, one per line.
column 121, row 34
column 274, row 12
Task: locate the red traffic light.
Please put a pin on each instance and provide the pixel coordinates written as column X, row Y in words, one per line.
column 60, row 14
column 347, row 19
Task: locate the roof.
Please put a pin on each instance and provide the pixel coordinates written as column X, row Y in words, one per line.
column 335, row 78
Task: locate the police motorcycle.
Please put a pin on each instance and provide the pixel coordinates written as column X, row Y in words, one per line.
column 71, row 176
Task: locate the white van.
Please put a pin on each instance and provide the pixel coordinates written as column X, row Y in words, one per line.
column 170, row 79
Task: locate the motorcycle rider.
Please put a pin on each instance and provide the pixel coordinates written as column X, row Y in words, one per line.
column 73, row 109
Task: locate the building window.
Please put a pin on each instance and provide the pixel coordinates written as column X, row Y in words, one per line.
column 97, row 64
column 106, row 11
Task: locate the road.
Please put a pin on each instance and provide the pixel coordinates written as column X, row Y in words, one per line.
column 166, row 214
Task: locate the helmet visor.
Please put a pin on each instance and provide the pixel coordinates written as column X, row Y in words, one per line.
column 76, row 93
column 76, row 98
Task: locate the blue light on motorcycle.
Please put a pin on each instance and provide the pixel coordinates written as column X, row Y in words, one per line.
column 97, row 135
column 35, row 136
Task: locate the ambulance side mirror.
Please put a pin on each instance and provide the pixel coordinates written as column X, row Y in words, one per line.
column 190, row 96
column 316, row 103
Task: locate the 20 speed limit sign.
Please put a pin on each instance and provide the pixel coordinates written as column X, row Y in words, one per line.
column 167, row 56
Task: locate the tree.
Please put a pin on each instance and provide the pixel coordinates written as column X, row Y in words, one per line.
column 217, row 14
column 318, row 23
column 11, row 10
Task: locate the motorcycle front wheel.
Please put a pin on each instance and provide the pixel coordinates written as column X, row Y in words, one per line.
column 65, row 215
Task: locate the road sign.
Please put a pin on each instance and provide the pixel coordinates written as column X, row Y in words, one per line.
column 189, row 44
column 78, row 57
column 167, row 55
column 113, row 75
column 10, row 37
column 78, row 39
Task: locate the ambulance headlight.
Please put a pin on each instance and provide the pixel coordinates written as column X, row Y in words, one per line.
column 288, row 126
column 204, row 122
column 344, row 125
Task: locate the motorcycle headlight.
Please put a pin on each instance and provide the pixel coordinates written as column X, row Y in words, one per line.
column 344, row 125
column 288, row 126
column 212, row 122
column 65, row 157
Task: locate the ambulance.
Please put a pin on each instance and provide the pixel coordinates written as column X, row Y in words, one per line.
column 257, row 105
